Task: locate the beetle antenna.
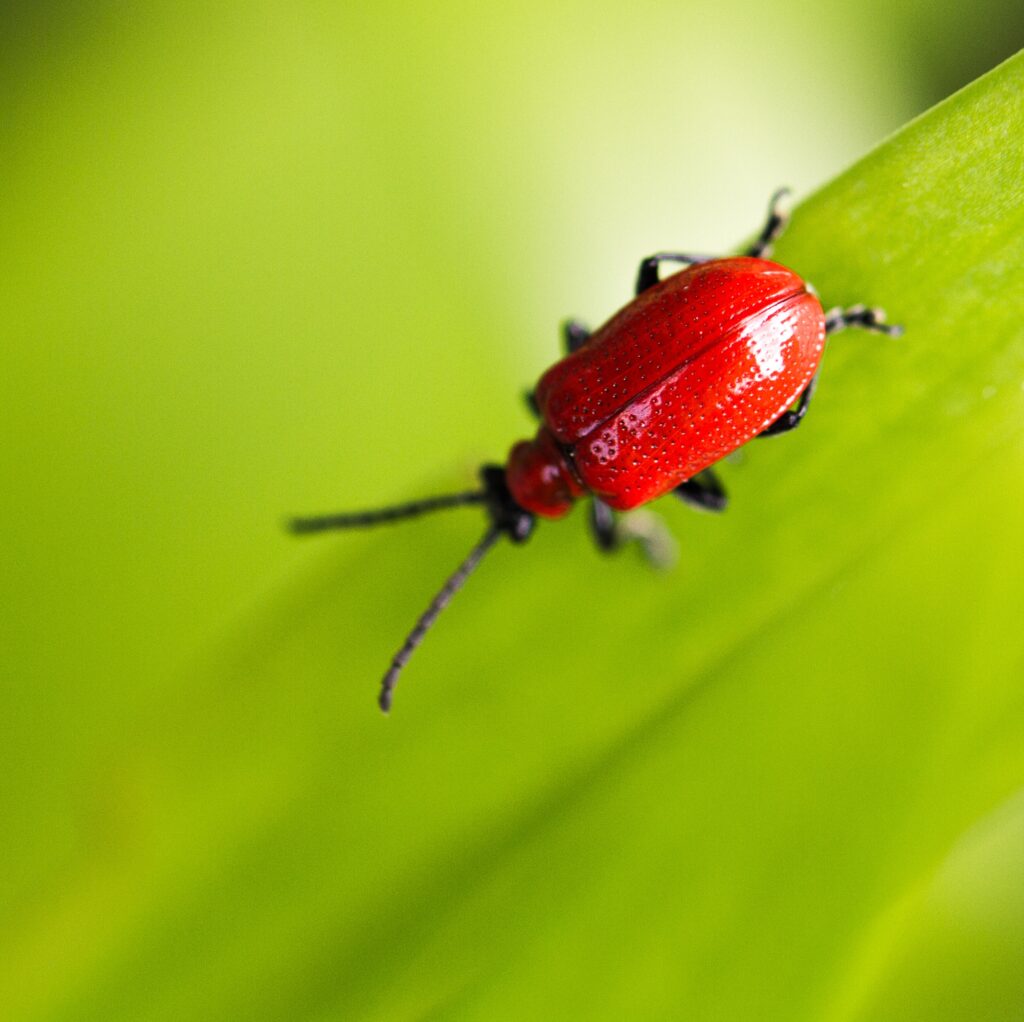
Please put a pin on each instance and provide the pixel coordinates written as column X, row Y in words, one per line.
column 504, row 514
column 380, row 516
column 455, row 582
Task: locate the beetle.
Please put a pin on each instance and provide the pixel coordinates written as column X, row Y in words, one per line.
column 692, row 368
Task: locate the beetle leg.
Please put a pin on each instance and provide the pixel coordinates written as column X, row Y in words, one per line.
column 612, row 533
column 862, row 316
column 603, row 526
column 792, row 417
column 574, row 335
column 647, row 275
column 778, row 217
column 704, row 492
column 835, row 319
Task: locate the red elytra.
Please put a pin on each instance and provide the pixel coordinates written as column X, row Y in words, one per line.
column 686, row 373
column 692, row 368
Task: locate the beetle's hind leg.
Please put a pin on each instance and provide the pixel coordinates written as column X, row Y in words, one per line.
column 792, row 417
column 612, row 532
column 778, row 217
column 835, row 319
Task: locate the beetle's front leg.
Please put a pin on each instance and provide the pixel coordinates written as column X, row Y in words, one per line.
column 778, row 217
column 647, row 275
column 611, row 532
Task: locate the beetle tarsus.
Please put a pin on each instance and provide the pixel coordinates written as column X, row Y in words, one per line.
column 652, row 535
column 778, row 218
column 864, row 317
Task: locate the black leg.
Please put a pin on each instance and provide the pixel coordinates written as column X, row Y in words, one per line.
column 862, row 316
column 778, row 217
column 835, row 319
column 792, row 417
column 603, row 526
column 612, row 532
column 704, row 492
column 647, row 275
column 574, row 335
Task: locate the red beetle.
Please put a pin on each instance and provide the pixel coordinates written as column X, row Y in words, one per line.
column 691, row 369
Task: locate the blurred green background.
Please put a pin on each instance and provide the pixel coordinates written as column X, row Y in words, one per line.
column 274, row 257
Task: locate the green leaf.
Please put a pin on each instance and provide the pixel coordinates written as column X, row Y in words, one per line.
column 783, row 781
